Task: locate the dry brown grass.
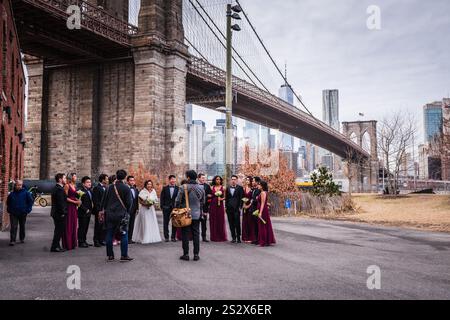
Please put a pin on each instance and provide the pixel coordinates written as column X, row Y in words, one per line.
column 428, row 212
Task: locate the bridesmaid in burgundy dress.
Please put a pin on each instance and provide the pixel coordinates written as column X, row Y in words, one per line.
column 248, row 222
column 217, row 227
column 265, row 231
column 69, row 239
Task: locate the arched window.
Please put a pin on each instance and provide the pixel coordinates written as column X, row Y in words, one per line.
column 354, row 137
column 366, row 143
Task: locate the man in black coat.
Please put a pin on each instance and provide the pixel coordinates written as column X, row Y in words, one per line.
column 208, row 196
column 97, row 197
column 233, row 202
column 117, row 204
column 134, row 207
column 84, row 212
column 168, row 195
column 255, row 193
column 59, row 211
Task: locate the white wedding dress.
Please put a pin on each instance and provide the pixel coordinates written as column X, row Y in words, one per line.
column 146, row 229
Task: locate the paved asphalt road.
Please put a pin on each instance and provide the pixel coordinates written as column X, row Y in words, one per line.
column 313, row 259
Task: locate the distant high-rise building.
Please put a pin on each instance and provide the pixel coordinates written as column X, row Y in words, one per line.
column 216, row 140
column 330, row 110
column 251, row 135
column 188, row 117
column 196, row 145
column 432, row 114
column 287, row 94
column 273, row 142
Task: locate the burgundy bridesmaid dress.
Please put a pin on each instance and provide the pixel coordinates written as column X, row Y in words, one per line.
column 265, row 231
column 69, row 239
column 217, row 227
column 248, row 222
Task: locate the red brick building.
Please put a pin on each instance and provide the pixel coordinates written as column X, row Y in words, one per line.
column 12, row 103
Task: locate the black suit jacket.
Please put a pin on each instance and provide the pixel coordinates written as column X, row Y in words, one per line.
column 234, row 202
column 59, row 203
column 167, row 202
column 97, row 197
column 87, row 204
column 114, row 209
column 255, row 193
column 135, row 201
column 208, row 191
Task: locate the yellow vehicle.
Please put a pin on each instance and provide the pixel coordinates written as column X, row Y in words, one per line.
column 304, row 185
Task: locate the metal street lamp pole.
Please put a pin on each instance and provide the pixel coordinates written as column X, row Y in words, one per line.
column 229, row 100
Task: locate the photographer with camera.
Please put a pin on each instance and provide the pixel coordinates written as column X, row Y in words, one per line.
column 116, row 206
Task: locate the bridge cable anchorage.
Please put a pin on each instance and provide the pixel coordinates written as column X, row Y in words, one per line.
column 234, row 49
column 273, row 61
column 218, row 38
column 254, row 89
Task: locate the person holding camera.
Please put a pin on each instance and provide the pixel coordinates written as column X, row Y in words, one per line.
column 116, row 206
column 196, row 201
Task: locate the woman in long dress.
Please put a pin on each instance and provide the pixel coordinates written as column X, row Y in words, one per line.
column 146, row 229
column 265, row 230
column 217, row 225
column 70, row 237
column 248, row 222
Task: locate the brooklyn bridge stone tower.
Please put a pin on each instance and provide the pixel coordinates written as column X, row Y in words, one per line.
column 97, row 116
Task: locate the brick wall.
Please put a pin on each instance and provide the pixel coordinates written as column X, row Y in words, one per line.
column 11, row 106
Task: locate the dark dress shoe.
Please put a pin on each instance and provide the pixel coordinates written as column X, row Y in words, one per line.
column 185, row 258
column 233, row 241
column 110, row 259
column 103, row 243
column 132, row 242
column 205, row 240
column 83, row 245
column 22, row 241
column 97, row 244
column 89, row 244
column 11, row 244
column 196, row 258
column 57, row 250
column 167, row 240
column 126, row 259
column 239, row 241
column 174, row 240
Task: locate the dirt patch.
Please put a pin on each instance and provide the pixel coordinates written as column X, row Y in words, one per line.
column 424, row 212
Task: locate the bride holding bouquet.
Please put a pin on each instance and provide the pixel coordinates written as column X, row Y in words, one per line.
column 146, row 229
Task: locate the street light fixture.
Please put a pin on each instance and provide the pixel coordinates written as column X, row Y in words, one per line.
column 232, row 13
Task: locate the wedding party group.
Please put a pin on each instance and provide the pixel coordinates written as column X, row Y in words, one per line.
column 125, row 215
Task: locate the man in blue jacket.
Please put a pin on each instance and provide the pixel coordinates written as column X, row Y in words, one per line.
column 19, row 204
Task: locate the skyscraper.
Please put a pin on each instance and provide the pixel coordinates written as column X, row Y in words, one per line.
column 330, row 109
column 196, row 144
column 286, row 141
column 432, row 114
column 188, row 116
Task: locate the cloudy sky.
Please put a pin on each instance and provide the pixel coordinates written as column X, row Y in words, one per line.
column 327, row 45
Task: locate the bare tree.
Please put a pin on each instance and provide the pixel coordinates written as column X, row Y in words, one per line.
column 395, row 139
column 354, row 164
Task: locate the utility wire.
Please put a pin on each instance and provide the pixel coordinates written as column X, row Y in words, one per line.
column 273, row 61
column 218, row 38
column 235, row 51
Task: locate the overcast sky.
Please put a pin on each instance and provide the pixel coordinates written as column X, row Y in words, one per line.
column 327, row 45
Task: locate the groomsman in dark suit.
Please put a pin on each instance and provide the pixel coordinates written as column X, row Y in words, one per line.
column 134, row 207
column 255, row 193
column 59, row 211
column 168, row 195
column 233, row 201
column 208, row 196
column 84, row 212
column 97, row 197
